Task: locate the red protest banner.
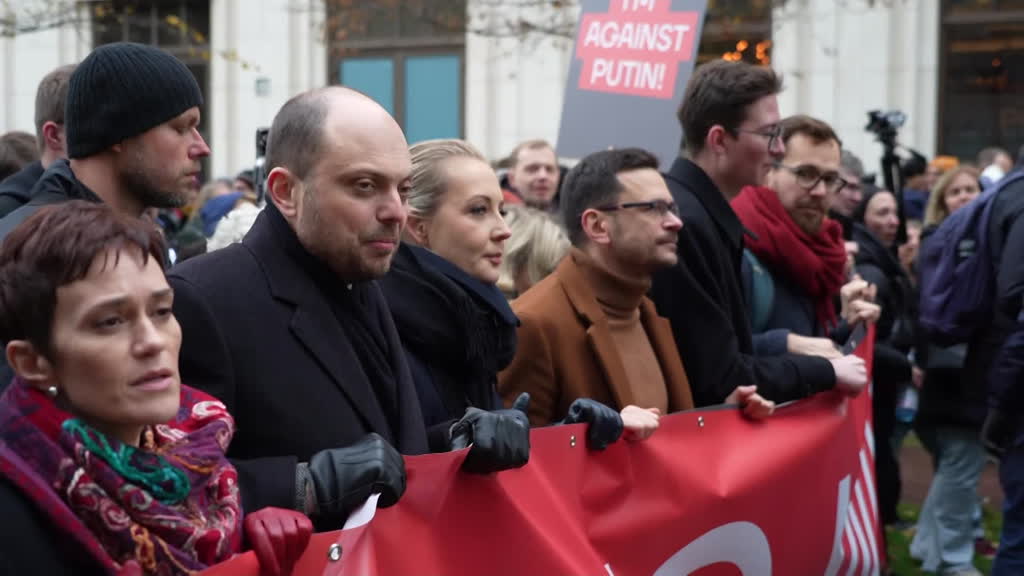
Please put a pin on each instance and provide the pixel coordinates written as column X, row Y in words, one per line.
column 710, row 494
column 635, row 48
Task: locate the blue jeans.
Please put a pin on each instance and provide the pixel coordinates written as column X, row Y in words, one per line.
column 1010, row 559
column 944, row 541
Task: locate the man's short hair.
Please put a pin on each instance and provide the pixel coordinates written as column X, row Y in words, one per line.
column 16, row 150
column 536, row 144
column 852, row 164
column 594, row 182
column 51, row 97
column 296, row 137
column 818, row 131
column 718, row 94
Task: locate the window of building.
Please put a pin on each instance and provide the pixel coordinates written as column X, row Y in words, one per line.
column 181, row 27
column 737, row 30
column 981, row 101
column 408, row 56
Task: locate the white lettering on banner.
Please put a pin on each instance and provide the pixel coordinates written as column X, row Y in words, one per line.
column 859, row 542
column 856, row 521
column 650, row 36
column 742, row 544
column 637, row 5
column 869, row 530
column 843, row 503
column 628, row 73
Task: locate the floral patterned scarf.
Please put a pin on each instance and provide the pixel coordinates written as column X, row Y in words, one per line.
column 172, row 504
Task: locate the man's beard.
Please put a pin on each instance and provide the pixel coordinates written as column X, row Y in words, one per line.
column 804, row 222
column 138, row 182
column 319, row 240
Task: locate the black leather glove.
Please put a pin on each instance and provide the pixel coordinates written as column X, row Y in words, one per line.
column 997, row 433
column 500, row 439
column 604, row 423
column 343, row 478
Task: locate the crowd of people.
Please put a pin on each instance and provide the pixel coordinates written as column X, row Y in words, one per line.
column 193, row 371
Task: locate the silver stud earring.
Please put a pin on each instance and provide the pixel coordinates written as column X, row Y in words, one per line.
column 51, row 391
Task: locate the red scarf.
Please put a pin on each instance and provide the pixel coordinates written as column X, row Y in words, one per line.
column 815, row 263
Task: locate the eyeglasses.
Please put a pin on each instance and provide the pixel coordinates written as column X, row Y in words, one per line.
column 772, row 133
column 659, row 207
column 807, row 177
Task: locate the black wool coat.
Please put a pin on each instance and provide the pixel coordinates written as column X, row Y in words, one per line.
column 261, row 332
column 702, row 296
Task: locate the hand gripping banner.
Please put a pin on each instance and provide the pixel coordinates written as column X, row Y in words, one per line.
column 710, row 494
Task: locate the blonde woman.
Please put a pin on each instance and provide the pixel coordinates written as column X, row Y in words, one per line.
column 534, row 250
column 457, row 328
column 952, row 191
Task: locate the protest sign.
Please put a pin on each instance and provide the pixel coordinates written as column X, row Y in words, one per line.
column 631, row 62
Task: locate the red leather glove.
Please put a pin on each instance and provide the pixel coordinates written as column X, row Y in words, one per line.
column 278, row 537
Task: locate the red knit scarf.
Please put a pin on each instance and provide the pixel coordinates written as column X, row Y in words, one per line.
column 814, row 263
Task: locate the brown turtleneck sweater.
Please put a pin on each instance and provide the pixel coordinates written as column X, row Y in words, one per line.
column 619, row 298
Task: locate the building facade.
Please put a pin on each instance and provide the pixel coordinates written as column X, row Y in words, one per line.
column 494, row 72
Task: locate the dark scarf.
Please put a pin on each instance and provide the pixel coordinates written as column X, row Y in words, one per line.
column 172, row 504
column 350, row 302
column 447, row 317
column 815, row 263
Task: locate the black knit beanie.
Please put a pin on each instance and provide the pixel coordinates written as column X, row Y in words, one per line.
column 121, row 90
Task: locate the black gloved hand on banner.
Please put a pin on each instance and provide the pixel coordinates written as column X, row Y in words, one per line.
column 343, row 478
column 604, row 425
column 499, row 439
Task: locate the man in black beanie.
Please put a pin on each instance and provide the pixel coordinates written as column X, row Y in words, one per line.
column 131, row 121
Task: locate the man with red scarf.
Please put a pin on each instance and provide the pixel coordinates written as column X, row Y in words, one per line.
column 795, row 263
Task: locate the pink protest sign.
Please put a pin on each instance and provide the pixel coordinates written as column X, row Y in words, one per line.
column 636, row 47
column 631, row 62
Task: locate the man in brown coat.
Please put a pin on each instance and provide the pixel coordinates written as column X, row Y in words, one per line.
column 588, row 330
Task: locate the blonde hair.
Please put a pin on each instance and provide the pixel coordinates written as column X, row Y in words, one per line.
column 428, row 180
column 536, row 246
column 936, row 210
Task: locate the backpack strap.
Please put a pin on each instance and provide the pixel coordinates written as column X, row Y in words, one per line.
column 995, row 251
column 761, row 296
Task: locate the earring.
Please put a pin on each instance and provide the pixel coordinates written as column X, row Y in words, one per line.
column 52, row 391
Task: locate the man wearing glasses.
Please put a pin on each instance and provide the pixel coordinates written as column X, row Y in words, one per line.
column 730, row 120
column 795, row 263
column 588, row 330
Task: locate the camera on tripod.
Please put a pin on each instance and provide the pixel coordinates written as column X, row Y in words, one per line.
column 885, row 125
